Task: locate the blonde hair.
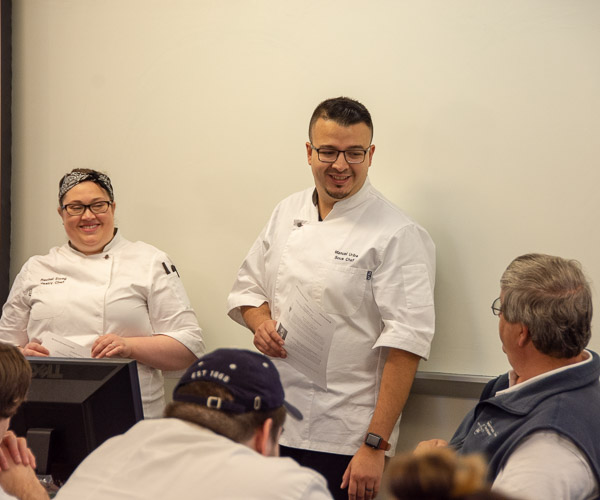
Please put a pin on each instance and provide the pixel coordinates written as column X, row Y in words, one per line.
column 438, row 474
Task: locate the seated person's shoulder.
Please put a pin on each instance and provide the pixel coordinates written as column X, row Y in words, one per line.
column 547, row 465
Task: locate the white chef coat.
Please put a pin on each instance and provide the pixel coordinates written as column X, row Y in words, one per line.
column 170, row 458
column 372, row 269
column 129, row 289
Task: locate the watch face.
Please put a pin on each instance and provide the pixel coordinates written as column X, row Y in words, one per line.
column 373, row 440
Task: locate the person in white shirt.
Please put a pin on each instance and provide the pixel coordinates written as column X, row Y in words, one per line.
column 371, row 268
column 218, row 440
column 114, row 297
column 538, row 424
column 17, row 463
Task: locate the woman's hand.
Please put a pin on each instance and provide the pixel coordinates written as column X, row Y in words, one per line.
column 35, row 348
column 157, row 351
column 111, row 346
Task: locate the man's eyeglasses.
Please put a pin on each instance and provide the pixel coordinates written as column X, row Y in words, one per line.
column 328, row 155
column 98, row 207
column 496, row 307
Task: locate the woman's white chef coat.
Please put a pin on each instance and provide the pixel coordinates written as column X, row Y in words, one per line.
column 130, row 289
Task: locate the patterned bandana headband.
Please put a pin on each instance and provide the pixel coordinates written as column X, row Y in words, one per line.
column 71, row 180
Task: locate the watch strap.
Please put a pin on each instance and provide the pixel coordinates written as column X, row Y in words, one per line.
column 376, row 441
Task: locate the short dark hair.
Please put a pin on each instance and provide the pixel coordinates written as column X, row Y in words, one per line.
column 342, row 110
column 15, row 377
column 551, row 296
column 238, row 427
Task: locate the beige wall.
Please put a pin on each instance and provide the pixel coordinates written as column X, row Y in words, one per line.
column 487, row 118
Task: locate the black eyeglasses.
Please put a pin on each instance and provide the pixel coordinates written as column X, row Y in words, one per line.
column 329, row 155
column 98, row 207
column 496, row 307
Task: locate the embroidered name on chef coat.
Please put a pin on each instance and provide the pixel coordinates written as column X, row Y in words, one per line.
column 57, row 280
column 345, row 256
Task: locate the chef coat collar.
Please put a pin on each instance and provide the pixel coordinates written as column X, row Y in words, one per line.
column 109, row 246
column 347, row 203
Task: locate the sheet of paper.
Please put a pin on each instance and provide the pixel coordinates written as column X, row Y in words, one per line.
column 307, row 331
column 60, row 347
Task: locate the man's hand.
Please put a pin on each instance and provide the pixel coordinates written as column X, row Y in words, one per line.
column 268, row 341
column 20, row 480
column 35, row 348
column 425, row 446
column 363, row 475
column 17, row 451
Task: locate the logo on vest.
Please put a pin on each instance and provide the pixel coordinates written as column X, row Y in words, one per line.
column 486, row 428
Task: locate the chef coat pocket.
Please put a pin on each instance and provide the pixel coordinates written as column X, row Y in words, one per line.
column 48, row 301
column 341, row 289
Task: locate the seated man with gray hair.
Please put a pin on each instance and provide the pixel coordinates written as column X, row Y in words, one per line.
column 219, row 440
column 539, row 424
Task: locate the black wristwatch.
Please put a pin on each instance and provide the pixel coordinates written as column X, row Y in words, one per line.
column 376, row 441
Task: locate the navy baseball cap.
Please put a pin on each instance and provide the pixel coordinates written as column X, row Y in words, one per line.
column 251, row 378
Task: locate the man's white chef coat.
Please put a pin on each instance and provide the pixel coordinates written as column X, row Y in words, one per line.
column 129, row 289
column 172, row 459
column 372, row 269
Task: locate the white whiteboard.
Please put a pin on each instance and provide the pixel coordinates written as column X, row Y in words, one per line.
column 486, row 113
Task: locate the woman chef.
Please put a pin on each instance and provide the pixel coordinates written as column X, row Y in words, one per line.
column 115, row 297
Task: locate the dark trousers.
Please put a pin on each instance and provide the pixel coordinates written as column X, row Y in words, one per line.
column 330, row 465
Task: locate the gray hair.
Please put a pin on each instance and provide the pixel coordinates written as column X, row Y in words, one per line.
column 551, row 296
